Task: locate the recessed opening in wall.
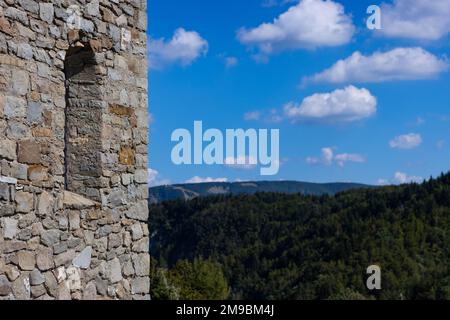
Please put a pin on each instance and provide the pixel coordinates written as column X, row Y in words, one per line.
column 84, row 102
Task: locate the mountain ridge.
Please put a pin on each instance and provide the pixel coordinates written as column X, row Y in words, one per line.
column 190, row 191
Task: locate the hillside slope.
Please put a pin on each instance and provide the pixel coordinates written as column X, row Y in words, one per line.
column 191, row 191
column 279, row 246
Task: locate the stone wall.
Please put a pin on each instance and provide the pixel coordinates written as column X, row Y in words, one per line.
column 73, row 150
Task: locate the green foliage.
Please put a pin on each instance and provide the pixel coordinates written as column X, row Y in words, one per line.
column 279, row 246
column 197, row 280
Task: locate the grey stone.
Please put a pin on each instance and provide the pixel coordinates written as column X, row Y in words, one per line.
column 114, row 271
column 141, row 245
column 4, row 189
column 8, row 149
column 50, row 237
column 74, row 220
column 36, row 278
column 140, row 285
column 26, row 260
column 141, row 264
column 104, row 231
column 17, row 131
column 17, row 14
column 83, row 260
column 12, row 273
column 90, row 292
column 15, row 107
column 139, row 211
column 38, row 291
column 24, row 202
column 51, row 284
column 93, row 8
column 64, row 258
column 5, row 286
column 29, row 5
column 21, row 287
column 136, row 231
column 34, row 112
column 45, row 204
column 114, row 241
column 44, row 259
column 46, row 12
column 20, row 82
column 9, row 228
column 25, row 51
column 102, row 286
column 60, row 247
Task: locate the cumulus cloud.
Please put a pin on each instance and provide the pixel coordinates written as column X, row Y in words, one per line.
column 394, row 65
column 184, row 48
column 407, row 141
column 252, row 116
column 340, row 106
column 402, row 178
column 197, row 179
column 155, row 179
column 416, row 19
column 309, row 24
column 328, row 158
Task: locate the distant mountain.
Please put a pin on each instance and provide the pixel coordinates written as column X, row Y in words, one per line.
column 191, row 191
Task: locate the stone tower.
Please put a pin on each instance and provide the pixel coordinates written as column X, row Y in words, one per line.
column 73, row 150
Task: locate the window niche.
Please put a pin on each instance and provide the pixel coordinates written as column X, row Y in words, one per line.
column 84, row 103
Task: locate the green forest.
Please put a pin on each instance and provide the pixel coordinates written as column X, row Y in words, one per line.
column 275, row 246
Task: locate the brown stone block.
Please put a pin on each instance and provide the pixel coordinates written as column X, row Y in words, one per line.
column 73, row 35
column 5, row 26
column 96, row 45
column 42, row 132
column 37, row 173
column 29, row 152
column 120, row 110
column 126, row 156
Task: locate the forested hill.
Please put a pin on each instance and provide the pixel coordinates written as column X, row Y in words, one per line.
column 191, row 191
column 280, row 246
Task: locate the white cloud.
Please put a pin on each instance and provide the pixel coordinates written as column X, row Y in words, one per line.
column 340, row 106
column 154, row 179
column 184, row 48
column 416, row 19
column 241, row 163
column 402, row 178
column 252, row 116
column 407, row 141
column 197, row 179
column 308, row 25
column 394, row 65
column 328, row 158
column 231, row 62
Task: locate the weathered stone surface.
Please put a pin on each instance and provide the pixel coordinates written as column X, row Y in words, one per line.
column 5, row 286
column 64, row 258
column 26, row 260
column 51, row 284
column 50, row 237
column 21, row 287
column 140, row 285
column 90, row 292
column 36, row 278
column 44, row 259
column 45, row 204
column 38, row 291
column 139, row 211
column 37, row 173
column 46, row 12
column 24, row 201
column 75, row 201
column 114, row 270
column 141, row 263
column 8, row 149
column 83, row 260
column 20, row 82
column 9, row 228
column 141, row 245
column 73, row 279
column 136, row 231
column 126, row 156
column 29, row 152
column 74, row 220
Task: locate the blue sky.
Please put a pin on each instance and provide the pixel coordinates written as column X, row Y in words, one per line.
column 380, row 116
